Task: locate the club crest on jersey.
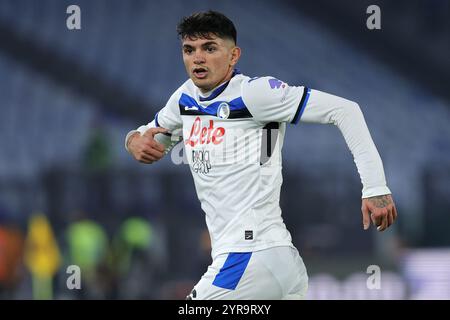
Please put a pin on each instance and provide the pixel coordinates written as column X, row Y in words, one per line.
column 223, row 111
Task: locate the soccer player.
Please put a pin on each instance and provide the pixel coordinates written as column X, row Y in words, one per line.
column 232, row 127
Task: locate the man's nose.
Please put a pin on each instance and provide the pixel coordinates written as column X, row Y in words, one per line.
column 199, row 58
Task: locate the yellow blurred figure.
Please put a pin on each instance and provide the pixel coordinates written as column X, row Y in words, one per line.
column 42, row 256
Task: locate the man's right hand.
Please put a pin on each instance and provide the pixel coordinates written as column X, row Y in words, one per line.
column 145, row 148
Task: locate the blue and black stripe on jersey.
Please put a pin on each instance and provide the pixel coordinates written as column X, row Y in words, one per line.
column 190, row 107
column 268, row 141
column 301, row 105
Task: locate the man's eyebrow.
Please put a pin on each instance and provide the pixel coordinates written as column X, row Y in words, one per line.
column 188, row 46
column 209, row 43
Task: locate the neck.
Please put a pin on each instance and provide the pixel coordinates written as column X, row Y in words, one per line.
column 225, row 79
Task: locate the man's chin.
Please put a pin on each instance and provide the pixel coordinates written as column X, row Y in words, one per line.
column 202, row 84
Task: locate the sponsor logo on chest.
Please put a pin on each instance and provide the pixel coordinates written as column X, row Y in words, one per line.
column 201, row 135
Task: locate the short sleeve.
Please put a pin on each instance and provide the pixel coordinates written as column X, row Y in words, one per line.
column 271, row 100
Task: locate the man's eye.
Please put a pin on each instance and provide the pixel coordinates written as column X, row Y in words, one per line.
column 210, row 49
column 188, row 51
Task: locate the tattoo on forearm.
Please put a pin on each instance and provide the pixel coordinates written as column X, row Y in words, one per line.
column 381, row 201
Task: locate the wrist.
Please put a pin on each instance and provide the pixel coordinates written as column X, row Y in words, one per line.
column 369, row 192
column 130, row 138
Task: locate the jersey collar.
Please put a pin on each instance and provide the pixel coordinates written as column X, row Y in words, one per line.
column 219, row 89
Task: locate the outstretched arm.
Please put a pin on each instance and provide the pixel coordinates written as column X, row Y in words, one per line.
column 377, row 202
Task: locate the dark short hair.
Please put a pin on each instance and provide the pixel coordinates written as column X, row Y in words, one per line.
column 203, row 24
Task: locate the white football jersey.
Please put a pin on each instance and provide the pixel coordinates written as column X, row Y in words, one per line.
column 233, row 140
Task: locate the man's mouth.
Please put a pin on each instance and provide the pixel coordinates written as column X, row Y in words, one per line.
column 200, row 73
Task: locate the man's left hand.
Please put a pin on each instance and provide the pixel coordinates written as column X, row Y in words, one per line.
column 381, row 210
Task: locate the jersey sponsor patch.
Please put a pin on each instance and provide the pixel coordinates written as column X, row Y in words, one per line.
column 276, row 84
column 200, row 135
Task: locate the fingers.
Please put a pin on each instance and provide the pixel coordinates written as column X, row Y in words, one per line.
column 376, row 219
column 145, row 159
column 148, row 155
column 149, row 151
column 153, row 151
column 152, row 147
column 152, row 131
column 383, row 218
column 158, row 146
column 384, row 222
column 390, row 218
column 366, row 217
column 149, row 141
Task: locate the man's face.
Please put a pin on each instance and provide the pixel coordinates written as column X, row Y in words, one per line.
column 209, row 61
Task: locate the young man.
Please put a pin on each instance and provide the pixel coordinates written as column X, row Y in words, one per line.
column 233, row 128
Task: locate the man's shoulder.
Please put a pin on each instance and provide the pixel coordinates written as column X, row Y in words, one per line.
column 259, row 89
column 264, row 82
column 187, row 87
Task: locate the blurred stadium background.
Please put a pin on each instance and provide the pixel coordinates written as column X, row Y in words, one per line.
column 71, row 195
